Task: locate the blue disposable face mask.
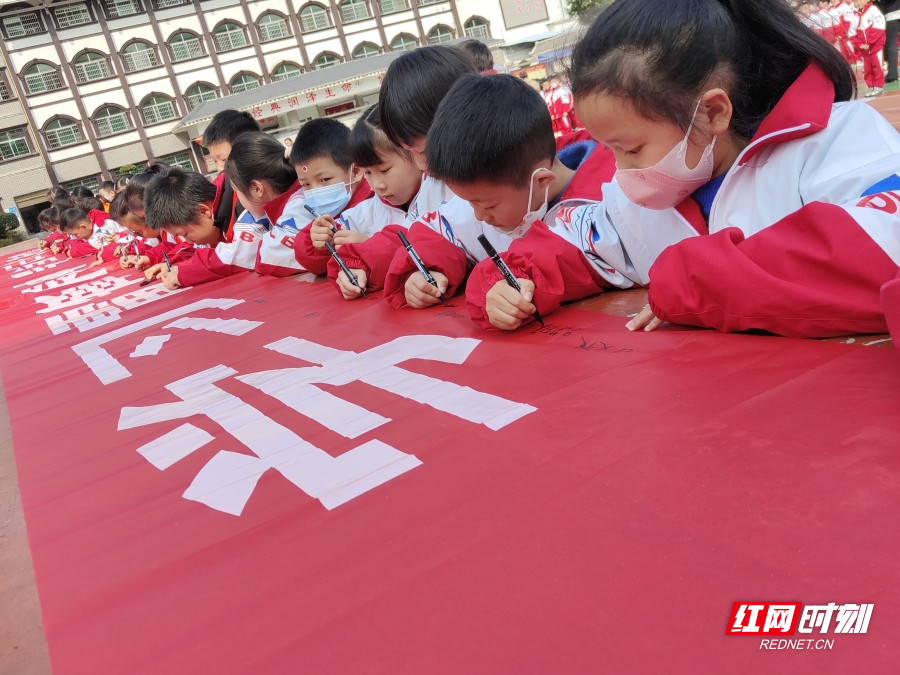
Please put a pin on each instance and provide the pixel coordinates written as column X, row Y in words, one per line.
column 330, row 199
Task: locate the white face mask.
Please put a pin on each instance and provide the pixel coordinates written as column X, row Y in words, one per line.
column 330, row 199
column 668, row 182
column 531, row 216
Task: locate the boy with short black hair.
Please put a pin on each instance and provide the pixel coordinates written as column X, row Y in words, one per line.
column 330, row 182
column 182, row 203
column 106, row 192
column 92, row 229
column 480, row 54
column 492, row 143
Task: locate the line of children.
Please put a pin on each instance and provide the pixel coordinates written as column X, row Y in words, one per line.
column 386, row 169
column 748, row 186
column 750, row 189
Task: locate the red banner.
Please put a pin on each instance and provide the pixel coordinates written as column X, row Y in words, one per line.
column 256, row 476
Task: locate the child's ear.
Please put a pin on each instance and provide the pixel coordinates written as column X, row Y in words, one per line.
column 544, row 178
column 356, row 173
column 205, row 211
column 256, row 189
column 717, row 110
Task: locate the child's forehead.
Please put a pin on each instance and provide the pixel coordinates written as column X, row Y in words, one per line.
column 317, row 166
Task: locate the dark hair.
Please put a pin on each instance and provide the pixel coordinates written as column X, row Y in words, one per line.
column 171, row 199
column 228, row 125
column 69, row 219
column 122, row 182
column 660, row 55
column 479, row 53
column 258, row 156
column 134, row 191
column 63, row 202
column 321, row 138
column 53, row 214
column 368, row 142
column 89, row 204
column 44, row 218
column 81, row 192
column 57, row 192
column 118, row 207
column 107, row 185
column 413, row 87
column 489, row 128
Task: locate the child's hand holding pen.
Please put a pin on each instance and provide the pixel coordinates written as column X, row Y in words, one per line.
column 169, row 278
column 421, row 293
column 348, row 289
column 322, row 230
column 507, row 308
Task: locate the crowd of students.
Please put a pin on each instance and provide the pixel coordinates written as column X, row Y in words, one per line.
column 729, row 171
column 858, row 30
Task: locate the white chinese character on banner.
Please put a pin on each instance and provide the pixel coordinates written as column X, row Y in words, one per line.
column 82, row 293
column 91, row 316
column 228, row 480
column 28, row 268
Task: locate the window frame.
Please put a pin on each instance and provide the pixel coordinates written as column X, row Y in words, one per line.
column 286, row 26
column 319, row 56
column 410, row 35
column 74, row 124
column 440, row 42
column 26, row 137
column 171, row 46
column 404, row 5
column 144, row 102
column 105, row 59
column 150, row 48
column 241, row 29
column 57, row 71
column 355, row 4
column 485, row 25
column 244, row 74
column 129, row 125
column 87, row 7
column 275, row 78
column 140, row 9
column 329, row 23
column 187, row 97
column 38, row 19
column 366, row 44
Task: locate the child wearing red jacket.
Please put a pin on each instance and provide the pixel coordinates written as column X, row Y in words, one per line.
column 492, row 144
column 867, row 39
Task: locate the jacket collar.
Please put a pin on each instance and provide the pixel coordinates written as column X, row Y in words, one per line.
column 275, row 207
column 804, row 110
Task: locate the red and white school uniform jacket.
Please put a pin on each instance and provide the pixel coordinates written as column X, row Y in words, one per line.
column 238, row 251
column 308, row 257
column 374, row 256
column 536, row 255
column 172, row 244
column 871, row 29
column 802, row 234
column 228, row 257
column 275, row 256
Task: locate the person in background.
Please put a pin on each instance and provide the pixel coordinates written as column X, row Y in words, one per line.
column 480, row 54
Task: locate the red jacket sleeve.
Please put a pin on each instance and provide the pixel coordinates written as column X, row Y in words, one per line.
column 559, row 270
column 313, row 259
column 205, row 266
column 436, row 252
column 374, row 256
column 80, row 248
column 890, row 301
column 815, row 273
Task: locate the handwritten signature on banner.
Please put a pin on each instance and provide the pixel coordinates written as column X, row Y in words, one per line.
column 589, row 344
column 227, row 481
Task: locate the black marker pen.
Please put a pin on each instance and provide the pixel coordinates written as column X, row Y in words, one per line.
column 417, row 261
column 504, row 270
column 340, row 261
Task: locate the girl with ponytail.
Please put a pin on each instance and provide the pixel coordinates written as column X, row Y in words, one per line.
column 750, row 188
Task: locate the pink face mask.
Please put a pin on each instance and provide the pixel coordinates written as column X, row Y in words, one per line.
column 668, row 182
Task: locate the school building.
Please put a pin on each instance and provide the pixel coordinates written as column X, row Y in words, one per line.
column 93, row 90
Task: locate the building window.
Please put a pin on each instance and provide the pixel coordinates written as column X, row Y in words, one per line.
column 243, row 82
column 199, row 93
column 285, row 71
column 92, row 183
column 365, row 50
column 272, row 27
column 325, row 60
column 179, row 159
column 139, row 56
column 429, row 2
column 61, row 132
column 13, row 143
column 68, row 16
column 403, row 42
column 158, row 108
column 119, row 8
column 163, row 4
column 390, row 6
column 439, row 35
column 111, row 120
column 185, row 46
column 354, row 10
column 42, row 77
column 314, row 17
column 21, row 25
column 477, row 29
column 6, row 93
column 229, row 36
column 91, row 66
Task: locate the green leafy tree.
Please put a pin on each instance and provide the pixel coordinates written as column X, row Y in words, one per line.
column 587, row 10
